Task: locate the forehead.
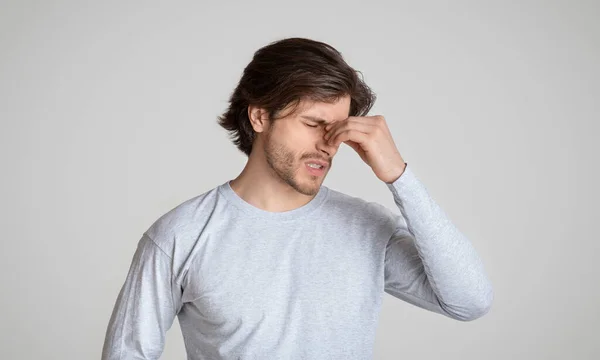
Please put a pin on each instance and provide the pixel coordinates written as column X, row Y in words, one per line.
column 325, row 113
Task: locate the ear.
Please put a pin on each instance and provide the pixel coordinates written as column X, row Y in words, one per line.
column 259, row 118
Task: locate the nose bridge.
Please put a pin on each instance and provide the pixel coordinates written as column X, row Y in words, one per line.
column 323, row 146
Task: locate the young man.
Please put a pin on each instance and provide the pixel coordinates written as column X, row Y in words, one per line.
column 275, row 265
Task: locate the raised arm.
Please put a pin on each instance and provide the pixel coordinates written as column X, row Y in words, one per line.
column 429, row 262
column 145, row 307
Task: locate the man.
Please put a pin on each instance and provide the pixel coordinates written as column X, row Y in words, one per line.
column 275, row 265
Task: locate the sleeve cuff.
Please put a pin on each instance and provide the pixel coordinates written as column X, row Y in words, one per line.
column 407, row 179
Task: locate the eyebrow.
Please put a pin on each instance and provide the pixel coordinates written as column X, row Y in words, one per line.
column 315, row 119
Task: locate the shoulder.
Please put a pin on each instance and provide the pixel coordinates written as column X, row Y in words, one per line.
column 182, row 220
column 356, row 208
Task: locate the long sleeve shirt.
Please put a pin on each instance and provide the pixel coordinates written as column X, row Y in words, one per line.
column 308, row 283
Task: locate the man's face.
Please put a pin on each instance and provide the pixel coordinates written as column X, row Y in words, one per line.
column 295, row 141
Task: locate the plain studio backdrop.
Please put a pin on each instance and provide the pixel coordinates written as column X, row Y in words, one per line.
column 109, row 113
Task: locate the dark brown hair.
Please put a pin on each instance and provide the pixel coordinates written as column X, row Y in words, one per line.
column 283, row 73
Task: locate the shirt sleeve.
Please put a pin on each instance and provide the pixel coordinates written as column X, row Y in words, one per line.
column 429, row 262
column 145, row 307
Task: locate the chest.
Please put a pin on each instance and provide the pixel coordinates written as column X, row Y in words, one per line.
column 262, row 276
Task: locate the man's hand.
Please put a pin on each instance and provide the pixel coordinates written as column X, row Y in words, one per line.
column 370, row 137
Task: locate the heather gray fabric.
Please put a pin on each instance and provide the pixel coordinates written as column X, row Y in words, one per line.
column 303, row 284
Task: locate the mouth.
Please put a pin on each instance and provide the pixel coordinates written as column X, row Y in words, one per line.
column 316, row 167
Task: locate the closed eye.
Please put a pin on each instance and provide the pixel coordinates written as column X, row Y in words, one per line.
column 312, row 126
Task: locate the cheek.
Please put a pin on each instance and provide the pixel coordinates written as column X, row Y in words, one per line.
column 299, row 141
column 290, row 148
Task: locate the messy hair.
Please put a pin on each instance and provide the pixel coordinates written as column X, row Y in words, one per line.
column 286, row 72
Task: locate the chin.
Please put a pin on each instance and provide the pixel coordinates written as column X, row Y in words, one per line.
column 308, row 188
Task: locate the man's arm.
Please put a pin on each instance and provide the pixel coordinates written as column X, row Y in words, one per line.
column 145, row 307
column 429, row 262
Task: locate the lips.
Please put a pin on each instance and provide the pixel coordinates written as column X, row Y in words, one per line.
column 319, row 162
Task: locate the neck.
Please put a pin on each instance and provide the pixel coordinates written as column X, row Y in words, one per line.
column 261, row 187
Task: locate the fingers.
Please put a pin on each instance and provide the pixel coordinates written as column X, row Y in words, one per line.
column 351, row 124
column 348, row 135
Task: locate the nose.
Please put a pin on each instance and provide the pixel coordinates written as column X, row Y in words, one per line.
column 325, row 148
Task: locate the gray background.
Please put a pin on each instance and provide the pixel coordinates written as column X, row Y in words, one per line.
column 109, row 112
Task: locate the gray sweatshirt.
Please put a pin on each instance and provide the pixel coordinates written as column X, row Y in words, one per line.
column 307, row 283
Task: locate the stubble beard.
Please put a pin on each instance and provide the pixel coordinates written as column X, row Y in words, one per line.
column 282, row 162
